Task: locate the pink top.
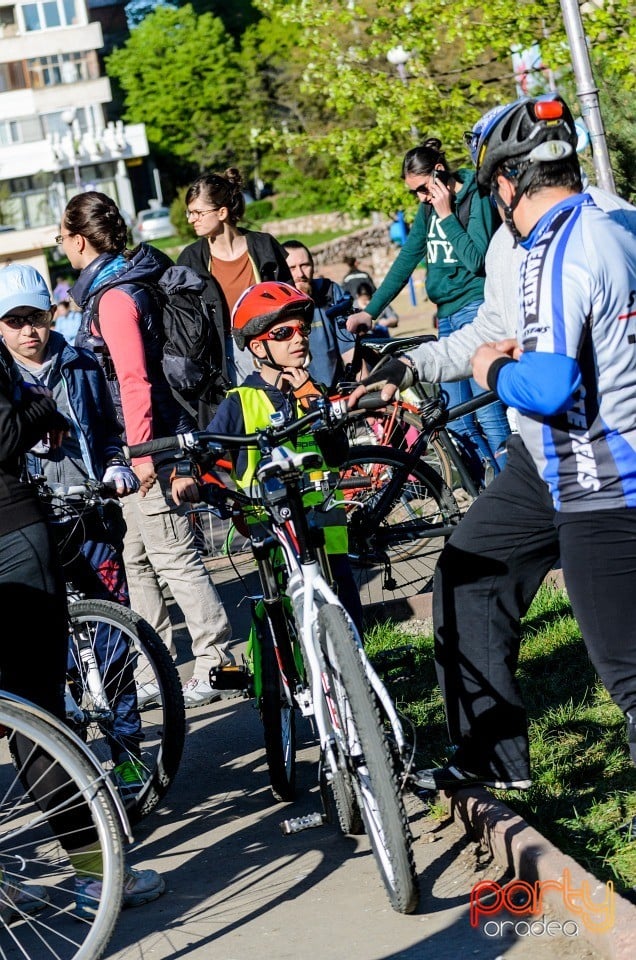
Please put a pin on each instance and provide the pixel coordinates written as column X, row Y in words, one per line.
column 119, row 323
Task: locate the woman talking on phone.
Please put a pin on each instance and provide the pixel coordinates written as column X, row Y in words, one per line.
column 451, row 232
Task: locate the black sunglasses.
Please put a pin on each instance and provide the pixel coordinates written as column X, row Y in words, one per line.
column 39, row 318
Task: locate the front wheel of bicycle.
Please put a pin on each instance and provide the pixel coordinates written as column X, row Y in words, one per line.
column 34, row 857
column 398, row 514
column 115, row 657
column 371, row 767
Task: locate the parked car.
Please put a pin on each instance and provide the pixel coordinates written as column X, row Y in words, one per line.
column 152, row 225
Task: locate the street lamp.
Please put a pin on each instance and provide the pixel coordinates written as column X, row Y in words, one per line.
column 398, row 57
column 68, row 117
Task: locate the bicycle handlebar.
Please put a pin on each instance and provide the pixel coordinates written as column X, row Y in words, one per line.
column 469, row 406
column 337, row 410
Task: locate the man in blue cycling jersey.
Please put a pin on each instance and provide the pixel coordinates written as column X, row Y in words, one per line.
column 571, row 374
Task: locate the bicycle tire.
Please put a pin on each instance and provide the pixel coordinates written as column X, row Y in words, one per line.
column 278, row 716
column 405, row 533
column 163, row 722
column 370, row 763
column 397, row 429
column 27, row 840
column 344, row 800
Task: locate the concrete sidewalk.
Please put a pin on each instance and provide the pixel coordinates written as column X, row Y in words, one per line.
column 238, row 888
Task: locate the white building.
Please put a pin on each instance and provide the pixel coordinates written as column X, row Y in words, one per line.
column 54, row 139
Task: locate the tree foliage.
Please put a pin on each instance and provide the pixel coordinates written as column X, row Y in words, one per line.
column 459, row 65
column 308, row 92
column 181, row 77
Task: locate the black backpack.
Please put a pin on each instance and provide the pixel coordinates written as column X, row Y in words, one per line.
column 188, row 322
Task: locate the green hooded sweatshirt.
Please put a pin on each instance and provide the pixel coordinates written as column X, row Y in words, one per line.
column 454, row 254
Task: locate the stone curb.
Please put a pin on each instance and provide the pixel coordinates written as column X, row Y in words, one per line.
column 520, row 848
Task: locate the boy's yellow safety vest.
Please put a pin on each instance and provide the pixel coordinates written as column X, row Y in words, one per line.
column 257, row 409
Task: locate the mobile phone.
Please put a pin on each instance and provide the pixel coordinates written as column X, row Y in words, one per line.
column 442, row 176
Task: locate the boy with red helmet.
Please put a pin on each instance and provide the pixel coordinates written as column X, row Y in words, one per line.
column 273, row 321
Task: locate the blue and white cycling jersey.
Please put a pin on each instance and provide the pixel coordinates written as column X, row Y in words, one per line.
column 575, row 384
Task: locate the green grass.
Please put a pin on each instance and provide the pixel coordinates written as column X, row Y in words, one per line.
column 584, row 783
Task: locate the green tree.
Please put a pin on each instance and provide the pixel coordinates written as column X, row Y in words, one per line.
column 459, row 65
column 180, row 76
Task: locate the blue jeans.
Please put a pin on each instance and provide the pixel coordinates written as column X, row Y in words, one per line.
column 482, row 434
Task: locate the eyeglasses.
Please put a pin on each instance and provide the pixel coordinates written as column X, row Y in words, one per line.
column 281, row 334
column 423, row 188
column 197, row 214
column 61, row 237
column 39, row 318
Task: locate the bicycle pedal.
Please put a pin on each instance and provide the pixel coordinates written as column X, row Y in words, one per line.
column 296, row 824
column 233, row 680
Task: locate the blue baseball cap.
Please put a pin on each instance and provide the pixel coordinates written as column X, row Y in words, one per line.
column 22, row 286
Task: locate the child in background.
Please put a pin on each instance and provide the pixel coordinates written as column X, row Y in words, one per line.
column 388, row 317
column 273, row 320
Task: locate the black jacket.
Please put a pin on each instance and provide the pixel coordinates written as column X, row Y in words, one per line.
column 24, row 419
column 268, row 259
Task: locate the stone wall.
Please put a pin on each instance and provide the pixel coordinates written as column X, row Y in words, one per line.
column 313, row 223
column 369, row 243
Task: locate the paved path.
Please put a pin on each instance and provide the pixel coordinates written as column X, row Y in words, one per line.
column 238, row 889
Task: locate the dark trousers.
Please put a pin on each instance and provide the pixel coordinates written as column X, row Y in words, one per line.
column 487, row 575
column 33, row 665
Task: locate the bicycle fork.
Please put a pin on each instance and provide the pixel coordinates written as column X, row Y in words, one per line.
column 302, row 589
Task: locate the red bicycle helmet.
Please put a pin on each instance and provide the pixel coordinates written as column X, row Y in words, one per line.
column 264, row 304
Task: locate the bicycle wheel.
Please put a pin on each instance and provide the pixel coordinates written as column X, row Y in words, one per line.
column 399, row 513
column 276, row 704
column 371, row 767
column 113, row 654
column 397, row 426
column 32, row 845
column 341, row 796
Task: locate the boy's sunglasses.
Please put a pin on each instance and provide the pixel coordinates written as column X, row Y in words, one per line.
column 280, row 334
column 39, row 318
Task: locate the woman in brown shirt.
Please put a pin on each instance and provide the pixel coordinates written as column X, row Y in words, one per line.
column 228, row 257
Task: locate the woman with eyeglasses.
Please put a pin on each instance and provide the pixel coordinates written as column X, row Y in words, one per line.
column 229, row 258
column 451, row 232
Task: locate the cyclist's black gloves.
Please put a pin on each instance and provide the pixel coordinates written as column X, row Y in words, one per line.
column 393, row 371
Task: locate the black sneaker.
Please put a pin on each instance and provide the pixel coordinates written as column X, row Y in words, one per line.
column 454, row 778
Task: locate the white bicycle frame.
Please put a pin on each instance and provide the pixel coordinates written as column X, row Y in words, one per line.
column 308, row 591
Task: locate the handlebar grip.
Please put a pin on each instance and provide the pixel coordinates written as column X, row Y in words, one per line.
column 372, row 401
column 159, row 445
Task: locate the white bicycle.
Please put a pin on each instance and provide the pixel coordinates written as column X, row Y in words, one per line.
column 364, row 756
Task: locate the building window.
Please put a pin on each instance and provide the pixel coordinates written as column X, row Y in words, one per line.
column 8, row 26
column 62, row 68
column 12, row 76
column 50, row 13
column 54, row 124
column 22, row 130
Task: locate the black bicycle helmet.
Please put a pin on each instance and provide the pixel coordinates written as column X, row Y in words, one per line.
column 264, row 304
column 530, row 131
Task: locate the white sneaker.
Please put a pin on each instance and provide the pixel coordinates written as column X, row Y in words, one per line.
column 196, row 693
column 147, row 694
